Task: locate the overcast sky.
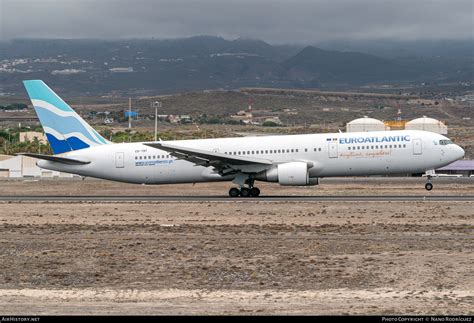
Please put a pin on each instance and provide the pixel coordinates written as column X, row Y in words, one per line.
column 275, row 21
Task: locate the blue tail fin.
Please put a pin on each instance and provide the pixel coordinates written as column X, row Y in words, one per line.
column 64, row 128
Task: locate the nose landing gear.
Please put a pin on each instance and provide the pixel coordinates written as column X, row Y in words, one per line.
column 429, row 174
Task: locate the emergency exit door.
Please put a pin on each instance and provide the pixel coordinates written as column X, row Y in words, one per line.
column 119, row 163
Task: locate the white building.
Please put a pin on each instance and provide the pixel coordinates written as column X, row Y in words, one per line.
column 23, row 166
column 366, row 124
column 427, row 124
column 31, row 135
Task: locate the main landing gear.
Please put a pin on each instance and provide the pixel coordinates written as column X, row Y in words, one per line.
column 245, row 191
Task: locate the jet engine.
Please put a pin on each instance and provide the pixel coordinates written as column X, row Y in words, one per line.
column 289, row 174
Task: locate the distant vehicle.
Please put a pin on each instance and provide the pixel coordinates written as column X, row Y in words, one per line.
column 292, row 160
column 108, row 120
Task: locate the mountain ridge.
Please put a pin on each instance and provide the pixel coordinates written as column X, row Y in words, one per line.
column 208, row 62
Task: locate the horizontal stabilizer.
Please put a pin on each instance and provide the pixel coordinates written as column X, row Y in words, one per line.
column 56, row 159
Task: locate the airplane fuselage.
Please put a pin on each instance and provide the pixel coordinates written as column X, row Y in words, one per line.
column 332, row 154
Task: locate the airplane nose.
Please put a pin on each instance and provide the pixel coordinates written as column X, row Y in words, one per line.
column 459, row 152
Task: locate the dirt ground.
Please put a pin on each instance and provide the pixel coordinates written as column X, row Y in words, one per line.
column 236, row 257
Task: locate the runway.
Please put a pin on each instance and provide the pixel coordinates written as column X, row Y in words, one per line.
column 106, row 248
column 275, row 198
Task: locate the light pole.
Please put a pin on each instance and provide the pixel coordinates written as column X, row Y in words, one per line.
column 156, row 105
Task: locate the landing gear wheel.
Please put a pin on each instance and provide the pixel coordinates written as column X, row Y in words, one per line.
column 244, row 192
column 429, row 186
column 254, row 191
column 234, row 192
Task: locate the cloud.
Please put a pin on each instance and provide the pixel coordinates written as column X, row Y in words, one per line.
column 276, row 21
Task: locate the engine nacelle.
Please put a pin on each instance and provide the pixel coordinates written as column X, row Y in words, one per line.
column 290, row 174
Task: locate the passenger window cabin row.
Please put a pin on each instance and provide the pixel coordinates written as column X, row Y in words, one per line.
column 151, row 157
column 267, row 151
column 376, row 147
column 279, row 151
column 239, row 153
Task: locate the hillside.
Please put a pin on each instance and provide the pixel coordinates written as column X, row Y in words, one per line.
column 343, row 67
column 144, row 67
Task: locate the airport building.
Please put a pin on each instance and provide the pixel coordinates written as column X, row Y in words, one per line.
column 23, row 166
column 31, row 135
column 462, row 167
column 366, row 124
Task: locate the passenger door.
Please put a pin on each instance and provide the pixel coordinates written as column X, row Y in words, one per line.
column 332, row 149
column 417, row 148
column 119, row 162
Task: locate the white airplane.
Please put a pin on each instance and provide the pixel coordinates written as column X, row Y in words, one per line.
column 294, row 160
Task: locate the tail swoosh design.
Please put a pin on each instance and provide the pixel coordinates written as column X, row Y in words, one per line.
column 64, row 128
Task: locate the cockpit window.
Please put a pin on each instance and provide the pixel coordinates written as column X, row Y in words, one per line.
column 444, row 142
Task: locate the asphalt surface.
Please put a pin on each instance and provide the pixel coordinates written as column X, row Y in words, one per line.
column 274, row 198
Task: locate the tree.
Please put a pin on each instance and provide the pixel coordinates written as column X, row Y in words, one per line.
column 269, row 124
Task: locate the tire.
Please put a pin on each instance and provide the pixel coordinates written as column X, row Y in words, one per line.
column 254, row 191
column 429, row 186
column 234, row 192
column 244, row 192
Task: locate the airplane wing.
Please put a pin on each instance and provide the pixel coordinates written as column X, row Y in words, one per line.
column 222, row 162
